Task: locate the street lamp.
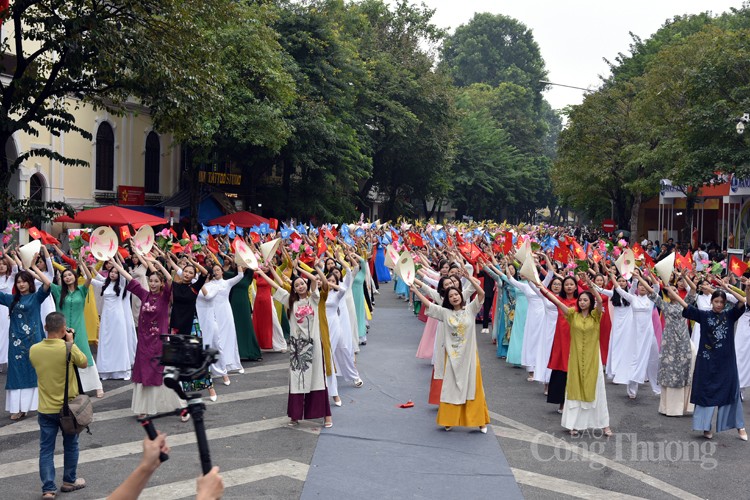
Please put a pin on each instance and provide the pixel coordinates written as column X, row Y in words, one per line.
column 741, row 122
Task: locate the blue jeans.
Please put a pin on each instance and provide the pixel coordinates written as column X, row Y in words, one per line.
column 49, row 424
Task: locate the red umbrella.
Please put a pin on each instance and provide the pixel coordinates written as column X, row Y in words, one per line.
column 113, row 215
column 241, row 219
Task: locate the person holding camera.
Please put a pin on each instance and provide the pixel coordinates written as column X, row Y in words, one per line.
column 49, row 359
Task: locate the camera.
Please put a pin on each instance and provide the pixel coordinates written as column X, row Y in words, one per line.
column 185, row 358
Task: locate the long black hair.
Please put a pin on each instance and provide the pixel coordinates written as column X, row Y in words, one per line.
column 116, row 287
column 617, row 299
column 562, row 290
column 28, row 278
column 64, row 288
column 442, row 287
column 293, row 296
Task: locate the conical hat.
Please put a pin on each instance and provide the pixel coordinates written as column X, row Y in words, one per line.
column 405, row 268
column 522, row 252
column 268, row 249
column 391, row 257
column 243, row 256
column 665, row 268
column 27, row 253
column 626, row 263
column 528, row 269
column 103, row 243
column 143, row 240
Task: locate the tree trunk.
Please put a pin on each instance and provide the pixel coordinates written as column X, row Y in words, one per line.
column 194, row 197
column 634, row 210
column 5, row 175
column 686, row 232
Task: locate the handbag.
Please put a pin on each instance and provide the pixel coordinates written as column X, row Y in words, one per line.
column 78, row 413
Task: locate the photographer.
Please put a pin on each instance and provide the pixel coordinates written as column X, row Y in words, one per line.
column 49, row 359
column 208, row 487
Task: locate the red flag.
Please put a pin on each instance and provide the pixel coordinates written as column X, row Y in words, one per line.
column 125, row 233
column 35, row 233
column 185, row 235
column 508, row 243
column 322, row 247
column 394, row 235
column 212, row 245
column 123, row 252
column 737, row 266
column 177, row 248
column 294, row 236
column 689, row 259
column 459, row 239
column 649, row 261
column 328, row 234
column 578, row 250
column 273, row 224
column 255, row 237
column 637, row 250
column 174, row 233
column 597, row 257
column 415, row 239
column 449, row 241
column 48, row 239
column 470, row 251
column 681, row 261
column 561, row 253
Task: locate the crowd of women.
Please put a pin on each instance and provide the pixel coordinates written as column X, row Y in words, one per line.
column 571, row 325
column 574, row 326
column 313, row 306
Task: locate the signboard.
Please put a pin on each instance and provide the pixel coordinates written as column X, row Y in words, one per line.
column 608, row 225
column 739, row 186
column 219, row 178
column 131, row 195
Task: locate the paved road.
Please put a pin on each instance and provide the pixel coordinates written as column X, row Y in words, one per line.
column 650, row 456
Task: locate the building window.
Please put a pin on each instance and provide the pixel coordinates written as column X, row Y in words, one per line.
column 153, row 157
column 105, row 158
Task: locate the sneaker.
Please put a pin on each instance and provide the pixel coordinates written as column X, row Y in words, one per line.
column 485, row 330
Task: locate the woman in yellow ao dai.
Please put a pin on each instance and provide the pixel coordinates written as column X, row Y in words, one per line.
column 462, row 401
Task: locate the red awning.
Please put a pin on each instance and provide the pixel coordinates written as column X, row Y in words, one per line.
column 113, row 215
column 240, row 219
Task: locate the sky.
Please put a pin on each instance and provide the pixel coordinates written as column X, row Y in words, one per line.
column 575, row 35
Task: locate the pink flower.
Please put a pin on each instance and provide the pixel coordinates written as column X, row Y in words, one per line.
column 303, row 312
column 295, row 245
column 616, row 251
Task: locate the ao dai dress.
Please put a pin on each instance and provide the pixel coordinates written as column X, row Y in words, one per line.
column 586, row 397
column 113, row 354
column 25, row 330
column 642, row 361
column 675, row 358
column 6, row 286
column 308, row 395
column 73, row 309
column 462, row 401
column 226, row 335
column 715, row 379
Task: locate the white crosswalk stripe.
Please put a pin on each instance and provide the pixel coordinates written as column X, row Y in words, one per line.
column 21, row 467
column 236, row 477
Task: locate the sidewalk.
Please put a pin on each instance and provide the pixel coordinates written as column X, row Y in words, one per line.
column 377, row 450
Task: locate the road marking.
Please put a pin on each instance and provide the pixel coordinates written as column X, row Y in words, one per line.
column 236, row 477
column 570, row 488
column 523, row 432
column 29, row 466
column 31, row 425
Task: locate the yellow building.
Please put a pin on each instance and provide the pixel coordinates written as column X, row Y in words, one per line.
column 125, row 151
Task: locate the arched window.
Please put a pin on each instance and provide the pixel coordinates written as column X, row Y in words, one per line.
column 153, row 160
column 105, row 158
column 36, row 187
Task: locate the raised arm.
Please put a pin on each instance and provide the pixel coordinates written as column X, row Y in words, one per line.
column 271, row 282
column 46, row 283
column 121, row 269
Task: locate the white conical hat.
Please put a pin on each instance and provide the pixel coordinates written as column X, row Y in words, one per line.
column 103, row 243
column 391, row 257
column 523, row 251
column 143, row 240
column 528, row 269
column 268, row 249
column 27, row 253
column 243, row 256
column 665, row 268
column 626, row 263
column 405, row 268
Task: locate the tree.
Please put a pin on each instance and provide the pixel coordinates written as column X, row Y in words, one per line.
column 103, row 53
